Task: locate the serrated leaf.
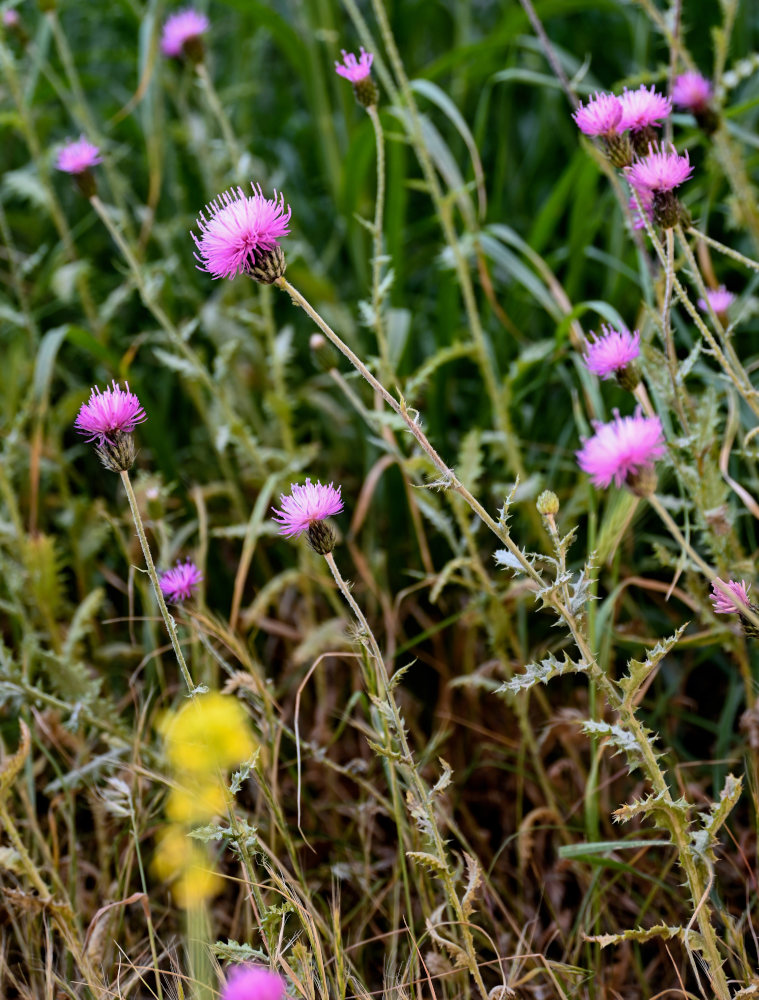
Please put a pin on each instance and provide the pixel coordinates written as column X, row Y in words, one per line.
column 640, row 670
column 177, row 364
column 728, row 798
column 640, row 934
column 617, row 736
column 445, row 778
column 12, row 765
column 428, row 861
column 10, row 860
column 507, row 560
column 541, row 673
column 233, row 951
column 474, row 879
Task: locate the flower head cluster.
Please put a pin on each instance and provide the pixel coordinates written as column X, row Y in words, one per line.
column 78, row 156
column 719, row 299
column 305, row 510
column 692, row 91
column 181, row 30
column 178, row 583
column 643, row 108
column 106, row 414
column 613, row 352
column 724, row 605
column 354, row 69
column 621, row 449
column 253, row 982
column 240, row 234
column 660, row 171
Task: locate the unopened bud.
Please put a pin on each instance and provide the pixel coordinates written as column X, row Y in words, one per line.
column 547, row 503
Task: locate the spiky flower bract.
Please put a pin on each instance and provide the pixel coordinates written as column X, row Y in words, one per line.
column 77, row 156
column 354, row 69
column 621, row 449
column 643, row 108
column 305, row 506
column 179, row 582
column 692, row 91
column 110, row 413
column 181, row 28
column 253, row 982
column 719, row 299
column 609, row 354
column 724, row 605
column 659, row 171
column 240, row 231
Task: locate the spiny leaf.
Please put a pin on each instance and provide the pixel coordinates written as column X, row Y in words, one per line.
column 445, row 778
column 428, row 861
column 695, row 940
column 474, row 879
column 541, row 673
column 11, row 766
column 639, row 670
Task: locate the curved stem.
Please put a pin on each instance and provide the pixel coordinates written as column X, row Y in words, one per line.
column 171, row 627
column 217, row 109
column 727, row 251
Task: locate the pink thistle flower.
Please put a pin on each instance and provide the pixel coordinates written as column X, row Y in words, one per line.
column 659, row 171
column 108, row 414
column 178, row 583
column 692, row 91
column 646, row 199
column 719, row 299
column 308, row 504
column 253, row 982
column 614, row 351
column 354, row 69
column 600, row 116
column 78, row 156
column 724, row 605
column 622, row 447
column 643, row 108
column 11, row 18
column 180, row 28
column 239, row 228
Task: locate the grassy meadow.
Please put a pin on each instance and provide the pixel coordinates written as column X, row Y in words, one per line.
column 498, row 736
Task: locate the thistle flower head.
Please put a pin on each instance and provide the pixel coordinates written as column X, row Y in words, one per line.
column 600, row 116
column 77, row 156
column 239, row 231
column 692, row 91
column 253, row 982
column 724, row 605
column 306, row 506
column 11, row 18
column 178, row 583
column 354, row 69
column 611, row 353
column 659, row 171
column 719, row 299
column 182, row 27
column 108, row 414
column 643, row 108
column 623, row 447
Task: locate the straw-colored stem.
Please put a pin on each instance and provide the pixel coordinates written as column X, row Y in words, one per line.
column 721, row 248
column 379, row 208
column 171, row 627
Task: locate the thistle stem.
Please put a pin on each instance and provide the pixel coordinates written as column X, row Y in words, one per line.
column 171, row 627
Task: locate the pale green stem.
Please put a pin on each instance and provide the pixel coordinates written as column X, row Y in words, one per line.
column 379, row 207
column 233, row 150
column 443, row 208
column 171, row 627
column 727, row 251
column 198, row 943
column 56, row 212
column 705, row 568
column 143, row 881
column 747, row 393
column 422, row 793
column 82, row 110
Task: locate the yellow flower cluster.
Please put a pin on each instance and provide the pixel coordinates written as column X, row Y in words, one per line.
column 201, row 740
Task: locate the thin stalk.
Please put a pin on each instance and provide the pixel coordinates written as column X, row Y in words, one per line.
column 143, row 882
column 727, row 251
column 421, row 792
column 171, row 627
column 233, row 150
column 666, row 319
column 379, row 207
